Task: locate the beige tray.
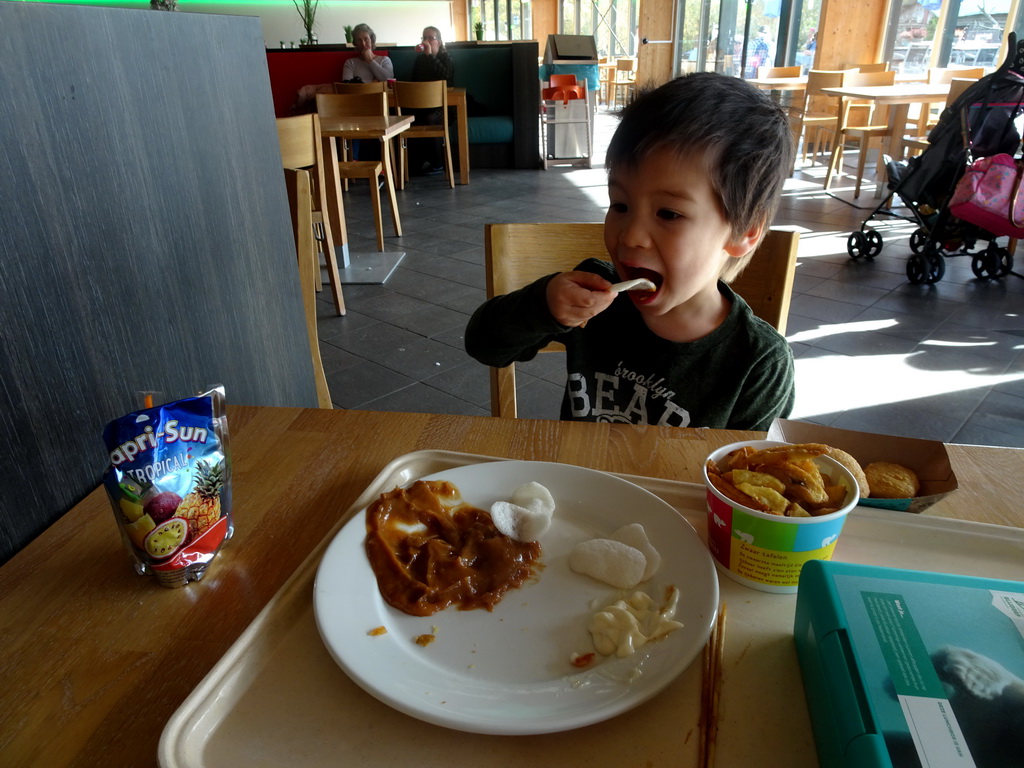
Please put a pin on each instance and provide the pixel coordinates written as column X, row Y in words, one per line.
column 278, row 699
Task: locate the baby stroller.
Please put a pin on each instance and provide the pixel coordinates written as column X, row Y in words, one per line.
column 982, row 121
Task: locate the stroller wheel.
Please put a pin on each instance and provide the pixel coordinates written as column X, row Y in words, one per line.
column 992, row 263
column 864, row 245
column 925, row 268
column 918, row 239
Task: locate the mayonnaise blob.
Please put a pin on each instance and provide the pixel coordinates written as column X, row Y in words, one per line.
column 626, row 625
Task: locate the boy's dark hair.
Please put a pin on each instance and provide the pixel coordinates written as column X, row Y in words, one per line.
column 743, row 136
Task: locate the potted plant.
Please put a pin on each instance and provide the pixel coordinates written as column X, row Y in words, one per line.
column 348, row 34
column 478, row 28
column 307, row 12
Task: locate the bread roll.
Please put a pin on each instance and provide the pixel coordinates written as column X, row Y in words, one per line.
column 855, row 469
column 892, row 481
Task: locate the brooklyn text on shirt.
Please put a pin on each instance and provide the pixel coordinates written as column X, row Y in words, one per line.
column 625, row 397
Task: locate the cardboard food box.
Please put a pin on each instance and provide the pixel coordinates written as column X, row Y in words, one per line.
column 928, row 458
column 907, row 668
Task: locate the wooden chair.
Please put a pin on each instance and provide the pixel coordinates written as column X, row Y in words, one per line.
column 299, row 138
column 769, row 71
column 604, row 79
column 863, row 132
column 623, row 81
column 923, row 116
column 945, row 75
column 429, row 95
column 871, row 66
column 820, row 112
column 517, row 254
column 918, row 143
column 374, row 87
column 300, row 200
column 360, row 105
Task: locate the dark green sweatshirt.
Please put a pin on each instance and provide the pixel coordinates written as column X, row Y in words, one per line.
column 740, row 376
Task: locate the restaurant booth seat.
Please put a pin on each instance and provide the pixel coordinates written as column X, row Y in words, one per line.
column 500, row 80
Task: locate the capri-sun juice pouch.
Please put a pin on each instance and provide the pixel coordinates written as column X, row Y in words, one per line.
column 169, row 482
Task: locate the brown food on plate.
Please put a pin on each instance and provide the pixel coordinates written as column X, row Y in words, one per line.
column 892, row 481
column 855, row 468
column 429, row 550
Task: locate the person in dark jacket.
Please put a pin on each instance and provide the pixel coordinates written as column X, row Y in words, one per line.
column 433, row 63
column 696, row 169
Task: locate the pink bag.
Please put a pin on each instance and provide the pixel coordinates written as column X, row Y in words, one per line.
column 987, row 195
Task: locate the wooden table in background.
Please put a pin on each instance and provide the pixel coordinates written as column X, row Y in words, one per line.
column 96, row 659
column 383, row 129
column 380, row 128
column 898, row 99
column 457, row 99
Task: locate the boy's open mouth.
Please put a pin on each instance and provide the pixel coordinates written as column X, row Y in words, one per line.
column 633, row 273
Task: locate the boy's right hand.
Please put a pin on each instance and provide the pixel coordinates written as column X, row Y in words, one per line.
column 575, row 297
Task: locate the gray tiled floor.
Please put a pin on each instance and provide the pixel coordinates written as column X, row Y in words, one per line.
column 874, row 352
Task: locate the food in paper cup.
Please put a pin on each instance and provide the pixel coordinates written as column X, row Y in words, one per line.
column 766, row 549
column 169, row 483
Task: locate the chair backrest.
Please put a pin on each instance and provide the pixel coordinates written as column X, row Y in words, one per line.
column 558, row 80
column 864, row 113
column 873, row 66
column 855, row 78
column 518, row 254
column 427, row 95
column 352, row 104
column 943, row 75
column 377, row 86
column 625, row 69
column 769, row 71
column 299, row 137
column 814, row 99
column 957, row 86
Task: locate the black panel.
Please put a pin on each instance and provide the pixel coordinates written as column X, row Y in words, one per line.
column 145, row 240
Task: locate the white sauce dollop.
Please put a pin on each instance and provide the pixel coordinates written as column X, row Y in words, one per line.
column 627, row 625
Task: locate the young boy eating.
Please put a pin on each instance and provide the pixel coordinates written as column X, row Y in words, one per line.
column 695, row 171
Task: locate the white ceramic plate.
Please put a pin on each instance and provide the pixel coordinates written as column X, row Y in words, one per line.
column 508, row 671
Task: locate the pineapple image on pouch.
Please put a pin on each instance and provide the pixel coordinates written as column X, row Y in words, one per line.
column 201, row 507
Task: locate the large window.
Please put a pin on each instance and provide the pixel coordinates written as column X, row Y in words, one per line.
column 736, row 37
column 613, row 23
column 502, row 19
column 933, row 33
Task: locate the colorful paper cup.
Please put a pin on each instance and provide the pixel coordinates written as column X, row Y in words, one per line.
column 767, row 551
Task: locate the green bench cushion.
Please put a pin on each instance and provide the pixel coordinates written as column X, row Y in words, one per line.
column 494, row 129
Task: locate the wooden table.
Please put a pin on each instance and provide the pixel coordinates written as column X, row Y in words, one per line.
column 457, row 99
column 381, row 128
column 96, row 659
column 898, row 98
column 800, row 83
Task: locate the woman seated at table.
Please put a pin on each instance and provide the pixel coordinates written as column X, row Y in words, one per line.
column 433, row 63
column 365, row 66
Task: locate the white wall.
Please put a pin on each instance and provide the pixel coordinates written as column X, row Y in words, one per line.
column 399, row 22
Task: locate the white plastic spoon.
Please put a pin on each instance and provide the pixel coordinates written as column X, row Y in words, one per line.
column 640, row 284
